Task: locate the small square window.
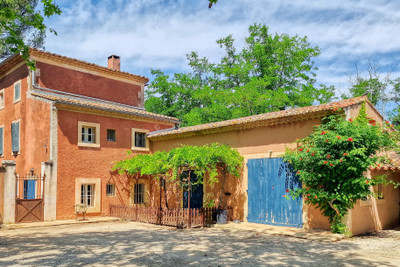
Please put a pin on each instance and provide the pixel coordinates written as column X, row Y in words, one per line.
column 88, row 134
column 17, row 91
column 111, row 135
column 110, row 192
column 138, row 196
column 140, row 139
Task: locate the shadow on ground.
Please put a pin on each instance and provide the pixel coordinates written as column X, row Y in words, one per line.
column 133, row 244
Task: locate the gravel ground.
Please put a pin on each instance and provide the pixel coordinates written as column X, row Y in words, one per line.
column 135, row 244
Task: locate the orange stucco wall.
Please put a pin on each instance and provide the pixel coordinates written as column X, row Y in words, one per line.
column 251, row 143
column 33, row 116
column 375, row 214
column 86, row 162
column 77, row 82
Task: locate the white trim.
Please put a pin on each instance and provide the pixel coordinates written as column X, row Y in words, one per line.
column 133, row 147
column 82, row 124
column 97, row 192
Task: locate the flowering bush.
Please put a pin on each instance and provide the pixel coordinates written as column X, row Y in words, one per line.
column 331, row 163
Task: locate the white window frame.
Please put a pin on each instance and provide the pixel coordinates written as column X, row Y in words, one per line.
column 96, row 182
column 96, row 126
column 15, row 100
column 133, row 146
column 2, row 92
column 87, row 194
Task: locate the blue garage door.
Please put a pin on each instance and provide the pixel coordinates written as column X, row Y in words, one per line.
column 268, row 180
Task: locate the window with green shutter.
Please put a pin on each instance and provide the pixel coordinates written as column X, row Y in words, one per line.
column 1, row 141
column 15, row 137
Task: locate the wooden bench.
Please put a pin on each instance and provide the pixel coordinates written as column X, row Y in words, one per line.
column 80, row 209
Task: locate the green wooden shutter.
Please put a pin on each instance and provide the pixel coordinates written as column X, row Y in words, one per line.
column 1, row 141
column 15, row 136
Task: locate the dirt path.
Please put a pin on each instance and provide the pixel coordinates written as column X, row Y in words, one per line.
column 135, row 244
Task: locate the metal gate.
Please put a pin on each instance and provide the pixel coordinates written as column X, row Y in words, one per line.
column 29, row 198
column 268, row 182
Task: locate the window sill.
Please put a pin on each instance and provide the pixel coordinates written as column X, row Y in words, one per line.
column 134, row 148
column 88, row 144
column 17, row 101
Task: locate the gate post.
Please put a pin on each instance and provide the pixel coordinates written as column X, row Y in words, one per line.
column 10, row 187
column 49, row 192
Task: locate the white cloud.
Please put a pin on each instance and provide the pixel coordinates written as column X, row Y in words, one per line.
column 157, row 34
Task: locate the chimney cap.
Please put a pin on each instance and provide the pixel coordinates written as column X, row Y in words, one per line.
column 114, row 56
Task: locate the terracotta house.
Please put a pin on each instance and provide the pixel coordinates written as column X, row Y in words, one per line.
column 261, row 139
column 63, row 125
column 61, row 128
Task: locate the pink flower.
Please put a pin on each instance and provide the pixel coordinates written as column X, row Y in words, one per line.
column 287, row 190
column 338, row 137
column 323, row 132
column 350, row 139
column 345, row 154
column 328, row 156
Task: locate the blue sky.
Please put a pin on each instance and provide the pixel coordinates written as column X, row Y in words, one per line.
column 158, row 34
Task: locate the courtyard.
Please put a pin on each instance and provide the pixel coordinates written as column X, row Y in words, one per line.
column 136, row 244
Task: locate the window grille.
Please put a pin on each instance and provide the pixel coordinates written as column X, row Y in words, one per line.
column 139, row 194
column 88, row 134
column 140, row 139
column 111, row 135
column 87, row 194
column 110, row 192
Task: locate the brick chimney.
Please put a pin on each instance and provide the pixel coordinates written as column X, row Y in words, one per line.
column 114, row 62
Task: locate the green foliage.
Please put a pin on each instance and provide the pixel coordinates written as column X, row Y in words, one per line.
column 200, row 159
column 270, row 73
column 22, row 25
column 331, row 163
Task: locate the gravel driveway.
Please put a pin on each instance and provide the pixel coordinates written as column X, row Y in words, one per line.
column 135, row 244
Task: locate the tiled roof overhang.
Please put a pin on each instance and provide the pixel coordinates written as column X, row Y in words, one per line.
column 266, row 119
column 84, row 104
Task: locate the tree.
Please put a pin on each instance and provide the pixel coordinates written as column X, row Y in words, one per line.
column 272, row 72
column 22, row 25
column 331, row 163
column 395, row 98
column 380, row 88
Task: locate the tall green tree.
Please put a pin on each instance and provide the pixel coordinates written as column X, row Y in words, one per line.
column 380, row 88
column 272, row 72
column 22, row 26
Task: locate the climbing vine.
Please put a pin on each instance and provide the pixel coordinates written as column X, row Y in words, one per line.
column 199, row 159
column 331, row 163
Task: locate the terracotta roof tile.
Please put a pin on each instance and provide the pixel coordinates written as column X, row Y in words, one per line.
column 278, row 117
column 392, row 163
column 99, row 104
